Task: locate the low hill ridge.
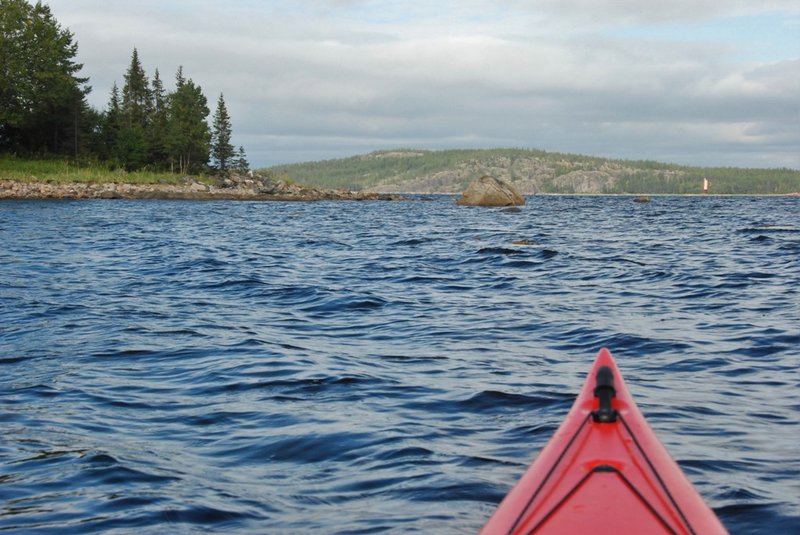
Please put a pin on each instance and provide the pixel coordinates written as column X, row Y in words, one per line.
column 531, row 172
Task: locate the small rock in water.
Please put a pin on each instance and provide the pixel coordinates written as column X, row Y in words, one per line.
column 490, row 191
column 523, row 242
column 642, row 199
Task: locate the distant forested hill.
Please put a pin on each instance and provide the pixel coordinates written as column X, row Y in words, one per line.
column 531, row 171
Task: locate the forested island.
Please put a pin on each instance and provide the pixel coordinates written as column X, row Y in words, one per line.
column 532, row 172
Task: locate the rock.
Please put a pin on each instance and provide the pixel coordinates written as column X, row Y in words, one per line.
column 511, row 210
column 641, row 199
column 585, row 181
column 522, row 242
column 490, row 191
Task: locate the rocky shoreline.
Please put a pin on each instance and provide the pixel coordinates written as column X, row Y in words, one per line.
column 233, row 187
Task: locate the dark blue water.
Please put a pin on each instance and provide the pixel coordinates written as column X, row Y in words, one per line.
column 175, row 367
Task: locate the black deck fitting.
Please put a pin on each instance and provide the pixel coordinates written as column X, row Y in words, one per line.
column 605, row 391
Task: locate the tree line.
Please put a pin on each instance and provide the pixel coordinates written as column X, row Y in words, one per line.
column 44, row 109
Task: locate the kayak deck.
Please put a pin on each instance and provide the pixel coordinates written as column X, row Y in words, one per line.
column 604, row 471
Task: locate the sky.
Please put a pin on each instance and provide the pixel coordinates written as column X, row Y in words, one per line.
column 697, row 82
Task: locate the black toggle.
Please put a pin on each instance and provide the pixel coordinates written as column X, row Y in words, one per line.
column 604, row 390
column 604, row 468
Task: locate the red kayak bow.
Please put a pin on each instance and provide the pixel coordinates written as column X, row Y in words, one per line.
column 604, row 472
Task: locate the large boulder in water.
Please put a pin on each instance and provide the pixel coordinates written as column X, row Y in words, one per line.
column 490, row 191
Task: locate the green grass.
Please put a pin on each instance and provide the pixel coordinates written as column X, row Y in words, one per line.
column 63, row 171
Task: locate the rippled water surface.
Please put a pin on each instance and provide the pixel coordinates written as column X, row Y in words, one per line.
column 178, row 367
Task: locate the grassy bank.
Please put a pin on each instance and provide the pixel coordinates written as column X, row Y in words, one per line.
column 66, row 171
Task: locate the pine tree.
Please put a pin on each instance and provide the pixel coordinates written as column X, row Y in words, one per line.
column 221, row 149
column 41, row 98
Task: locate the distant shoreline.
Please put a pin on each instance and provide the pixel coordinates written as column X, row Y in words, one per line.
column 547, row 194
column 249, row 190
column 531, row 171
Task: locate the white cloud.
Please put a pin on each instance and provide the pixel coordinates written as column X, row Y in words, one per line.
column 316, row 79
column 619, row 12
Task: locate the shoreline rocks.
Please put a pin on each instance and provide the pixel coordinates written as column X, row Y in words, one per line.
column 233, row 187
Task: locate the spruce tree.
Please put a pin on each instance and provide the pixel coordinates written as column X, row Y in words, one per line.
column 188, row 135
column 221, row 149
column 111, row 126
column 240, row 163
column 158, row 123
column 136, row 94
column 133, row 146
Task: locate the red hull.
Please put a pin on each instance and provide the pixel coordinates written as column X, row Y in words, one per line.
column 602, row 477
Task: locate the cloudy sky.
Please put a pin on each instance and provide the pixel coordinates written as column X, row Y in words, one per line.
column 707, row 82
